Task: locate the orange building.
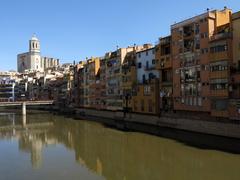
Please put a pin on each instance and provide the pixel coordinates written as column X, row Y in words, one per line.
column 234, row 104
column 220, row 59
column 164, row 65
column 194, row 52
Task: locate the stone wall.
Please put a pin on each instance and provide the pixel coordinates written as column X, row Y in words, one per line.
column 201, row 126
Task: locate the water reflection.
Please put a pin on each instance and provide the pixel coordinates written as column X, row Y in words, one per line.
column 115, row 154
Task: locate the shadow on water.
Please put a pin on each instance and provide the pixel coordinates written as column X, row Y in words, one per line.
column 193, row 139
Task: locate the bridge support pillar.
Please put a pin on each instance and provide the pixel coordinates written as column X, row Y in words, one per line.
column 24, row 112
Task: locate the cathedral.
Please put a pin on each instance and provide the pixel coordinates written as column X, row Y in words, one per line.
column 32, row 60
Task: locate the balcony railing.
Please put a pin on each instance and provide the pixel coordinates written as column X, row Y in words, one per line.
column 149, row 68
column 221, row 36
column 163, row 41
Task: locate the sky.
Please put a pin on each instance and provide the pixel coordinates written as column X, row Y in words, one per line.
column 75, row 29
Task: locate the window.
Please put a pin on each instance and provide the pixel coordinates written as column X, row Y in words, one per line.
column 219, row 86
column 150, row 107
column 220, row 105
column 139, row 65
column 147, row 90
column 147, row 64
column 146, row 53
column 199, row 101
column 204, row 35
column 220, row 67
column 142, row 105
column 190, row 101
column 197, row 44
column 204, row 51
column 139, row 55
column 197, row 29
column 153, row 61
column 135, row 105
column 151, row 76
column 219, row 48
column 238, row 65
column 144, row 78
column 195, row 101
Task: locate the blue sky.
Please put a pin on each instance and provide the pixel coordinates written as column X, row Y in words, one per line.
column 75, row 29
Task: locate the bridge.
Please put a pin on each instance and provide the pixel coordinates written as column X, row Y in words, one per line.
column 24, row 104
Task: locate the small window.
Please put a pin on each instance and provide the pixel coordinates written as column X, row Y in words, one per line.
column 139, row 65
column 144, row 78
column 147, row 64
column 146, row 53
column 142, row 105
column 153, row 61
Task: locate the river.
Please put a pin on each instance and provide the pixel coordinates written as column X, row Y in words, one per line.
column 43, row 146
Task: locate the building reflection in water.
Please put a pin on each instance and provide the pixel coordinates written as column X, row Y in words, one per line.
column 32, row 135
column 119, row 155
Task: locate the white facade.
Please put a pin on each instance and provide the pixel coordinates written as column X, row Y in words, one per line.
column 32, row 60
column 146, row 65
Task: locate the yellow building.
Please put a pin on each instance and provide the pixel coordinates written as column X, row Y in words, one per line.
column 164, row 65
column 91, row 70
column 146, row 98
column 129, row 79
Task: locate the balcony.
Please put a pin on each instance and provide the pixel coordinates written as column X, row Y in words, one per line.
column 166, row 83
column 164, row 63
column 219, row 74
column 219, row 93
column 164, row 41
column 188, row 31
column 213, row 57
column 220, row 36
column 149, row 68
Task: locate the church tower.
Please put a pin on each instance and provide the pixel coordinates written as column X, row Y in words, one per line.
column 34, row 45
column 35, row 56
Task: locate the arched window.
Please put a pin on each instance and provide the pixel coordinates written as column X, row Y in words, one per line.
column 33, row 45
column 36, row 45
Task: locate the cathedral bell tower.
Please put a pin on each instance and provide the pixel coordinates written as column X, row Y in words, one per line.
column 34, row 45
column 35, row 56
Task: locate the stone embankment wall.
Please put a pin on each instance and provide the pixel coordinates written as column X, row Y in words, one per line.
column 201, row 126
